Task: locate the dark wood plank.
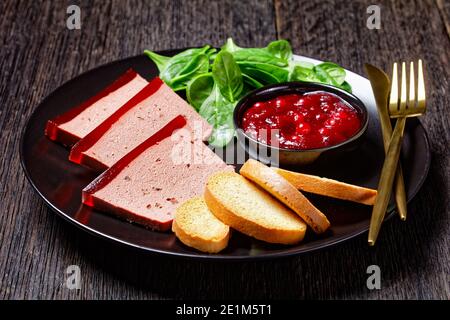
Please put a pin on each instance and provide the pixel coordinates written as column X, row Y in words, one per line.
column 413, row 256
column 38, row 54
column 444, row 10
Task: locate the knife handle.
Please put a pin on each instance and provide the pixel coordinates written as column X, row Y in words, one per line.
column 399, row 186
column 400, row 193
column 386, row 181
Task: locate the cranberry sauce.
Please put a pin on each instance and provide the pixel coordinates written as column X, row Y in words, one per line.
column 303, row 121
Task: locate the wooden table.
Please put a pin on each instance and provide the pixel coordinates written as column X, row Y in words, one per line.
column 38, row 53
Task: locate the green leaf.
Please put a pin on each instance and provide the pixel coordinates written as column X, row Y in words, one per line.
column 199, row 88
column 280, row 49
column 176, row 71
column 159, row 60
column 324, row 77
column 277, row 52
column 230, row 46
column 258, row 55
column 223, row 134
column 218, row 111
column 328, row 70
column 303, row 64
column 198, row 65
column 210, row 52
column 301, row 73
column 260, row 75
column 227, row 76
column 346, row 86
column 192, row 52
column 278, row 73
column 251, row 82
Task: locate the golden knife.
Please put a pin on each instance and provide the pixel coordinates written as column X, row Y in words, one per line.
column 380, row 87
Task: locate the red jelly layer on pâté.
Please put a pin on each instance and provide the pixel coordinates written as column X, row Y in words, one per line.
column 52, row 130
column 76, row 153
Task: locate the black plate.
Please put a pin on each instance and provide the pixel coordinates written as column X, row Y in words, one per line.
column 59, row 182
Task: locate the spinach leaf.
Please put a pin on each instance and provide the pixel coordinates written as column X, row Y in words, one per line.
column 176, row 71
column 230, row 46
column 227, row 76
column 277, row 53
column 218, row 111
column 326, row 72
column 278, row 73
column 210, row 52
column 260, row 75
column 251, row 82
column 265, row 74
column 330, row 73
column 303, row 64
column 177, row 75
column 258, row 55
column 301, row 73
column 199, row 88
column 280, row 49
column 346, row 86
column 159, row 60
column 324, row 77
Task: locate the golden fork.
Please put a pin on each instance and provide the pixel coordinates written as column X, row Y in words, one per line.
column 402, row 105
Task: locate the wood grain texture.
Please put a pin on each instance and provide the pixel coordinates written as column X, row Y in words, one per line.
column 414, row 255
column 444, row 11
column 38, row 53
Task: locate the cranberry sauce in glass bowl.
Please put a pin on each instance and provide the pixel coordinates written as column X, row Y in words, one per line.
column 300, row 120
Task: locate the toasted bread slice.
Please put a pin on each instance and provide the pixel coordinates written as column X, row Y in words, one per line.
column 198, row 228
column 328, row 187
column 281, row 189
column 247, row 208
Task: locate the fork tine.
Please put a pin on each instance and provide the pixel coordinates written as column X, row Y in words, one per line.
column 393, row 98
column 403, row 91
column 412, row 87
column 420, row 88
